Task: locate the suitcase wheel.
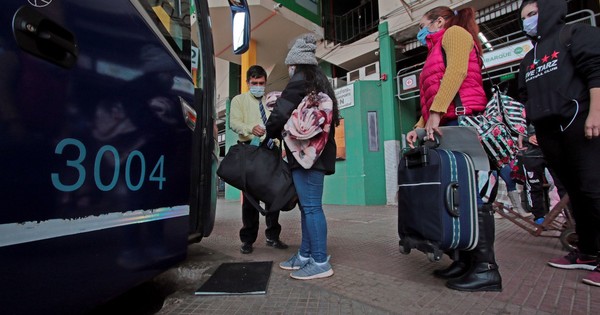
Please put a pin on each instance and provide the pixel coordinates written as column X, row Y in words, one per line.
column 569, row 239
column 434, row 256
column 404, row 249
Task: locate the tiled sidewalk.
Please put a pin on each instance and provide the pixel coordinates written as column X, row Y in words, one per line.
column 372, row 277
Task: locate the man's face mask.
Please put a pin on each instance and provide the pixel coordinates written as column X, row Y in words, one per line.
column 257, row 90
column 530, row 25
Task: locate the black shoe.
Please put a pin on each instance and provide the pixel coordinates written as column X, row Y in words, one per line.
column 277, row 244
column 481, row 277
column 246, row 248
column 455, row 270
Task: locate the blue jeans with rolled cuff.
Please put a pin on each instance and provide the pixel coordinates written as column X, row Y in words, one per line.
column 309, row 186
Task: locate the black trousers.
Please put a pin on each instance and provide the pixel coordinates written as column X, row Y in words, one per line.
column 576, row 162
column 250, row 220
column 535, row 172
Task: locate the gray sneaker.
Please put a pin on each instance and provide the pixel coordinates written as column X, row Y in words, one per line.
column 313, row 271
column 294, row 263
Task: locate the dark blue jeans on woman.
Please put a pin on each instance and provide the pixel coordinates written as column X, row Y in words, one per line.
column 309, row 186
column 505, row 174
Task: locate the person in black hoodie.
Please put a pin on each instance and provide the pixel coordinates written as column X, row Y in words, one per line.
column 560, row 83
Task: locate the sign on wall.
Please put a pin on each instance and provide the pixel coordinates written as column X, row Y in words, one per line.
column 345, row 96
column 507, row 54
column 410, row 82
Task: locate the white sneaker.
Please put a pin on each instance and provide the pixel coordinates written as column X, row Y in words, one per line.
column 524, row 213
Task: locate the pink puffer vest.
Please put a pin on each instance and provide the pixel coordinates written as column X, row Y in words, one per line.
column 471, row 91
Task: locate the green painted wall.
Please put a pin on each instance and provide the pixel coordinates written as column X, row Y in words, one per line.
column 360, row 179
column 327, row 68
column 309, row 9
column 235, row 75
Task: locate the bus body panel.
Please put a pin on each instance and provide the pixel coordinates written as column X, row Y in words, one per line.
column 71, row 274
column 96, row 157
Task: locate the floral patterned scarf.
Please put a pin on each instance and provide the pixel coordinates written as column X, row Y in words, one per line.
column 307, row 130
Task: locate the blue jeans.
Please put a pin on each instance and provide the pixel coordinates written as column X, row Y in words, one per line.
column 505, row 174
column 309, row 186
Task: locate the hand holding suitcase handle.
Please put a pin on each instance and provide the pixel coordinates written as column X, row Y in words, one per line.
column 417, row 157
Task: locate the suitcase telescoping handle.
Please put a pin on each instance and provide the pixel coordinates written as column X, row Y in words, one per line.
column 453, row 199
column 418, row 157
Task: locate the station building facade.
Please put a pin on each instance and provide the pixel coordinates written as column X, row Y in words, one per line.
column 369, row 50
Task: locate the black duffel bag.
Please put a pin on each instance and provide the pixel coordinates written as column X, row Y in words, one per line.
column 261, row 174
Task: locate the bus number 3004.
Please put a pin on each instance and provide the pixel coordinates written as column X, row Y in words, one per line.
column 156, row 174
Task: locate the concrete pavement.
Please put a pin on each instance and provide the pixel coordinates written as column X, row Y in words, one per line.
column 372, row 277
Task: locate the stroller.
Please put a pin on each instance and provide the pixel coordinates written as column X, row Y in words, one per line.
column 559, row 222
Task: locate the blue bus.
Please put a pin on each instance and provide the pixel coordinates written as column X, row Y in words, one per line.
column 108, row 145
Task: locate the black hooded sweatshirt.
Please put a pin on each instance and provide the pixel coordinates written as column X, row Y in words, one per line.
column 556, row 75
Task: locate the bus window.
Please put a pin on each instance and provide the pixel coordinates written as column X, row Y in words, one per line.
column 196, row 53
column 172, row 18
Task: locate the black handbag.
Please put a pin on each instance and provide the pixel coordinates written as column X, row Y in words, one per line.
column 261, row 174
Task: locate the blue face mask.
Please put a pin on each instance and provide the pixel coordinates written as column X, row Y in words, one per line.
column 422, row 35
column 530, row 25
column 257, row 90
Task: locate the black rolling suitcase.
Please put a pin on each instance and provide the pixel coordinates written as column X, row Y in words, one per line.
column 437, row 201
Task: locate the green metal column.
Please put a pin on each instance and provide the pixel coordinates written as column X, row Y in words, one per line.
column 387, row 63
column 391, row 128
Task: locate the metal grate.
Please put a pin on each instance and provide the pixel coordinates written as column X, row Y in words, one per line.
column 484, row 15
column 353, row 25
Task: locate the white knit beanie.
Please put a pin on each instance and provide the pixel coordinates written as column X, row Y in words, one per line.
column 303, row 51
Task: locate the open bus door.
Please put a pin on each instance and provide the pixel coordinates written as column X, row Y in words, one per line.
column 203, row 193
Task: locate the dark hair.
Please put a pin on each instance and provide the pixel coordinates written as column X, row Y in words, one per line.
column 317, row 81
column 255, row 71
column 464, row 18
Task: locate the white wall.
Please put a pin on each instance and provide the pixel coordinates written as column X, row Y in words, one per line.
column 222, row 80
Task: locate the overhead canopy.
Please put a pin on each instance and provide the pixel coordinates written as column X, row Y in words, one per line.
column 273, row 30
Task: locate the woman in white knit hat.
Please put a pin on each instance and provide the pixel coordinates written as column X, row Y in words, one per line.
column 306, row 78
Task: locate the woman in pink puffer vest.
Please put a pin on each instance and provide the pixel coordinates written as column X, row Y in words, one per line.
column 455, row 36
column 453, row 66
